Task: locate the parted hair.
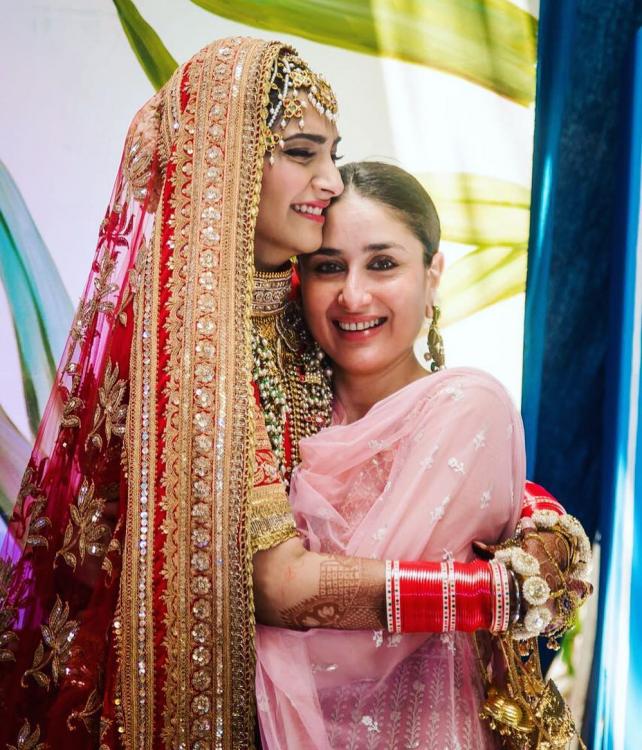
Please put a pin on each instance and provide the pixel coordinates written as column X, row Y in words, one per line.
column 398, row 190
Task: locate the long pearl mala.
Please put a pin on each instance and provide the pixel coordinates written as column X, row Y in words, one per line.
column 294, row 386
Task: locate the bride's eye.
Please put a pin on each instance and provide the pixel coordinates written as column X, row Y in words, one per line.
column 382, row 264
column 300, row 153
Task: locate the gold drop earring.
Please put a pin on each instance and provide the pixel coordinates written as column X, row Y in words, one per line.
column 435, row 354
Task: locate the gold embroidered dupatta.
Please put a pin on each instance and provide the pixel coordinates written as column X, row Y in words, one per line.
column 185, row 626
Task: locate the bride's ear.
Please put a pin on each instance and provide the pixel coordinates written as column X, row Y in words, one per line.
column 433, row 277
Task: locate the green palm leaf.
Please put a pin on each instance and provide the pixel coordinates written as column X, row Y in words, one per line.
column 14, row 454
column 492, row 216
column 489, row 42
column 152, row 54
column 40, row 307
column 482, row 278
column 479, row 210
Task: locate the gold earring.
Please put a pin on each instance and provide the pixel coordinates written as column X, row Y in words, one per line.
column 435, row 354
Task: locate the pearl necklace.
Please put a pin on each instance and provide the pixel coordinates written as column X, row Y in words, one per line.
column 294, row 388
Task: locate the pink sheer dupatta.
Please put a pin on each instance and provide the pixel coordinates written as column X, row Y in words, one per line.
column 428, row 470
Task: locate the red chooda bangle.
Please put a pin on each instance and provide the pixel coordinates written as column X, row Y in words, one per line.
column 441, row 597
column 537, row 498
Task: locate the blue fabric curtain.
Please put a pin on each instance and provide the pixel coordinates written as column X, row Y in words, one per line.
column 573, row 358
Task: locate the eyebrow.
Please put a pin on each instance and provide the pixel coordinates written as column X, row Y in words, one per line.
column 313, row 137
column 372, row 247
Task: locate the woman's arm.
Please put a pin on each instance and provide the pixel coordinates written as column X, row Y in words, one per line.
column 295, row 588
column 298, row 589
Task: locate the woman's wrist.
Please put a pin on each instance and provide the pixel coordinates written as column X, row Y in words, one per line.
column 448, row 596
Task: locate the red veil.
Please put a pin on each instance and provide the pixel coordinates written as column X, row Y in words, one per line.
column 125, row 577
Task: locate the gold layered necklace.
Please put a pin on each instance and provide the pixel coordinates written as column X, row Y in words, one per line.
column 293, row 384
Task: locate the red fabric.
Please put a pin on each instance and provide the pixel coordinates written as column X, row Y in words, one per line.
column 538, row 498
column 46, row 688
column 421, row 596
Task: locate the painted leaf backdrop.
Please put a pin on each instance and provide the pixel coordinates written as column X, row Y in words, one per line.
column 492, row 216
column 41, row 310
column 489, row 42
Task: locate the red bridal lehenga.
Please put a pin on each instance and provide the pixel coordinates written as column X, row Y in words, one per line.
column 125, row 585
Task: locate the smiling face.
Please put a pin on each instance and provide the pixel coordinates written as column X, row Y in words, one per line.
column 367, row 291
column 296, row 190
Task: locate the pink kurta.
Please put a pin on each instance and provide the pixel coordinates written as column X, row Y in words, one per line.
column 425, row 472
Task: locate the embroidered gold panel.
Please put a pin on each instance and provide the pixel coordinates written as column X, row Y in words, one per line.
column 206, row 684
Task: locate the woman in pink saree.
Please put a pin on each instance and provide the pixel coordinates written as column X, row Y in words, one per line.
column 414, row 466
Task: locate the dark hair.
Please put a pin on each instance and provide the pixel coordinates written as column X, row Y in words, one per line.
column 404, row 194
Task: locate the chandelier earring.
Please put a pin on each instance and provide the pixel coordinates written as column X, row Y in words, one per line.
column 435, row 354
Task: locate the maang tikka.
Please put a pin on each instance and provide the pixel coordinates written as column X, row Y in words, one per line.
column 435, row 354
column 290, row 75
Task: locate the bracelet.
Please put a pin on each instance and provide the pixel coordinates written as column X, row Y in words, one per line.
column 534, row 591
column 442, row 597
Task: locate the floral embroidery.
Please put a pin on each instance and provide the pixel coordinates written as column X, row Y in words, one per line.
column 484, row 500
column 83, row 529
column 448, row 639
column 7, row 613
column 134, row 280
column 427, row 462
column 377, row 637
column 110, row 410
column 28, row 740
column 87, row 714
column 380, row 534
column 456, row 466
column 370, row 723
column 37, row 523
column 479, row 441
column 69, row 416
column 438, row 513
column 394, row 639
column 57, row 635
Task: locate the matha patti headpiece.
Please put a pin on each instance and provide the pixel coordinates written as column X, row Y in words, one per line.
column 291, row 75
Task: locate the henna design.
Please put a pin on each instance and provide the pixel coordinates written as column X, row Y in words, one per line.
column 348, row 599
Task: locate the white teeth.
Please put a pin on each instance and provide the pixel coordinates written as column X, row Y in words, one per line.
column 360, row 326
column 305, row 209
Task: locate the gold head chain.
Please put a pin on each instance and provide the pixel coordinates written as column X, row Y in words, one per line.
column 292, row 87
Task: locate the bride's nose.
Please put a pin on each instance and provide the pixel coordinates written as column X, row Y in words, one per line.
column 354, row 294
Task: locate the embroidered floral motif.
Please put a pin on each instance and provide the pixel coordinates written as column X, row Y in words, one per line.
column 110, row 410
column 370, row 723
column 456, row 466
column 377, row 637
column 57, row 636
column 7, row 613
column 87, row 714
column 428, row 461
column 380, row 534
column 113, row 548
column 28, row 740
column 484, row 500
column 438, row 513
column 479, row 441
column 83, row 528
column 134, row 280
column 394, row 639
column 98, row 303
column 29, row 517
